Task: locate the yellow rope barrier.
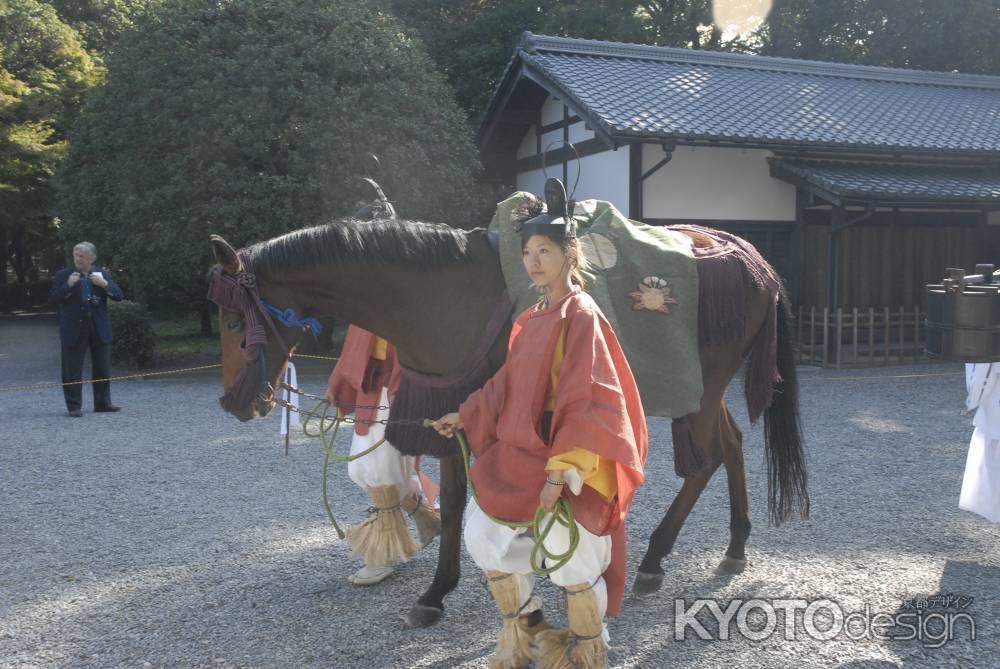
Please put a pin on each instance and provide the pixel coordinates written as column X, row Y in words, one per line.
column 870, row 378
column 143, row 375
column 39, row 386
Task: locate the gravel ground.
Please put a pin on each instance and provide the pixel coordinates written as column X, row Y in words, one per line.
column 172, row 536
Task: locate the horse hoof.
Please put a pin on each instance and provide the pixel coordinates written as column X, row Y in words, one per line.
column 423, row 616
column 731, row 565
column 646, row 584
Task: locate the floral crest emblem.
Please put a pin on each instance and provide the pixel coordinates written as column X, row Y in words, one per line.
column 653, row 295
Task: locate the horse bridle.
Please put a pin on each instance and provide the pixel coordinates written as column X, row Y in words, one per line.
column 239, row 292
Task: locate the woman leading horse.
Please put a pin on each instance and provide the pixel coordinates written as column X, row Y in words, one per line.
column 440, row 297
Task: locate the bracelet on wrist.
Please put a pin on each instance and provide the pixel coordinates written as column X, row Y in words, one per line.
column 550, row 481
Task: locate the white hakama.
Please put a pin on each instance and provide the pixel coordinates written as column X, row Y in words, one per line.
column 496, row 547
column 981, row 483
column 385, row 465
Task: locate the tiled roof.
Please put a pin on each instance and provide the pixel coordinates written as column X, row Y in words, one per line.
column 894, row 182
column 627, row 91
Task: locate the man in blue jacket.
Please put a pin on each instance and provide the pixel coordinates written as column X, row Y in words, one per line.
column 81, row 293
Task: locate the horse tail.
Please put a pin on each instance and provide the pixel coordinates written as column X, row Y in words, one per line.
column 772, row 366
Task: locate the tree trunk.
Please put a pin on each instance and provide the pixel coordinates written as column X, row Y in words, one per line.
column 3, row 255
column 21, row 257
column 206, row 319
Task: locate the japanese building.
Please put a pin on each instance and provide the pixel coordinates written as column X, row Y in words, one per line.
column 860, row 184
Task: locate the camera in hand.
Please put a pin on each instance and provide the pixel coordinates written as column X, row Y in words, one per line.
column 91, row 299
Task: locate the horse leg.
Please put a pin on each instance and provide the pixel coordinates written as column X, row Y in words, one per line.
column 739, row 506
column 430, row 605
column 704, row 430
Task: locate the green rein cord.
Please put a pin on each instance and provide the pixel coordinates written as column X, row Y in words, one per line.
column 326, row 431
column 562, row 514
column 543, row 561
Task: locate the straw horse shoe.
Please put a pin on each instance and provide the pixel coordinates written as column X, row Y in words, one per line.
column 438, row 294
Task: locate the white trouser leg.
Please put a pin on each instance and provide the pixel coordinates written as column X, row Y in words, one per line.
column 590, row 559
column 385, row 465
column 495, row 547
column 981, row 483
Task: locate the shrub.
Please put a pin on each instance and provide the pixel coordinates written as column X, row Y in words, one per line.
column 252, row 118
column 134, row 341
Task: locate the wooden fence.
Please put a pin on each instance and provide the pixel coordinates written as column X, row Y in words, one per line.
column 860, row 337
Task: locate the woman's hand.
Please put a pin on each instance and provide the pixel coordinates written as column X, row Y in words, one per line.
column 552, row 491
column 447, row 424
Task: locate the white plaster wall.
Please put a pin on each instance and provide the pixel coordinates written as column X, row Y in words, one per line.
column 534, row 181
column 603, row 176
column 578, row 133
column 552, row 110
column 552, row 141
column 528, row 146
column 715, row 184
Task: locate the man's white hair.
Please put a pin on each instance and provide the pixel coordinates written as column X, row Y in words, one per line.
column 88, row 247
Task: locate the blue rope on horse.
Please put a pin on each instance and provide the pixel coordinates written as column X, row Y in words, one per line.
column 291, row 319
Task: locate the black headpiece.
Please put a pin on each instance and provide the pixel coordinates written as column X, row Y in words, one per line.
column 377, row 209
column 558, row 218
column 380, row 207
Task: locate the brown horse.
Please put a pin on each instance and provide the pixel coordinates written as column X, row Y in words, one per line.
column 438, row 294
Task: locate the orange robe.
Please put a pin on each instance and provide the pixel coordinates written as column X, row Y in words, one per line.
column 597, row 409
column 367, row 364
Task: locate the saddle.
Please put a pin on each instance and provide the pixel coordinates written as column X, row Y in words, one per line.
column 644, row 279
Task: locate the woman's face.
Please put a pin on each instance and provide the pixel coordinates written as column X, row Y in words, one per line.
column 544, row 260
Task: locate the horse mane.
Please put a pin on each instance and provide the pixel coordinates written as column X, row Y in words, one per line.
column 349, row 240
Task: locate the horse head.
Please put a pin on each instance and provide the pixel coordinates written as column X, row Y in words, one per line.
column 256, row 337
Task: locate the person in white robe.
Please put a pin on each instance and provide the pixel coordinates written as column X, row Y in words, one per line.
column 981, row 483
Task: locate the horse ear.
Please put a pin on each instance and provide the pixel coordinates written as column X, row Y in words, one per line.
column 225, row 255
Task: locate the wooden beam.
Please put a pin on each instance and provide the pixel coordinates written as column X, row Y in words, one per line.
column 635, row 182
column 838, row 218
column 565, row 165
column 558, row 125
column 796, row 249
column 586, row 148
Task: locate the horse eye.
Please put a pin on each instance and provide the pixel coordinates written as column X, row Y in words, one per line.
column 233, row 326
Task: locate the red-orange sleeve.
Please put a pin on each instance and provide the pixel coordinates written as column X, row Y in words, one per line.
column 349, row 372
column 597, row 401
column 481, row 412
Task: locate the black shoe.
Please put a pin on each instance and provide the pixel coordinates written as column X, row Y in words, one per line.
column 76, row 413
column 111, row 408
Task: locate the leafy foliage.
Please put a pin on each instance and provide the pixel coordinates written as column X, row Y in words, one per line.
column 101, row 22
column 251, row 118
column 134, row 342
column 472, row 40
column 943, row 35
column 44, row 72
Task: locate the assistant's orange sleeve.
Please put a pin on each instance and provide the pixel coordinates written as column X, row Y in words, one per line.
column 596, row 472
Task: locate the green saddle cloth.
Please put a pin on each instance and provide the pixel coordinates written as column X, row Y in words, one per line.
column 645, row 281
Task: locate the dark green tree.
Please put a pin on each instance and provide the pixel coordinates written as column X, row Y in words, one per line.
column 942, row 35
column 100, row 22
column 250, row 118
column 44, row 72
column 472, row 40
